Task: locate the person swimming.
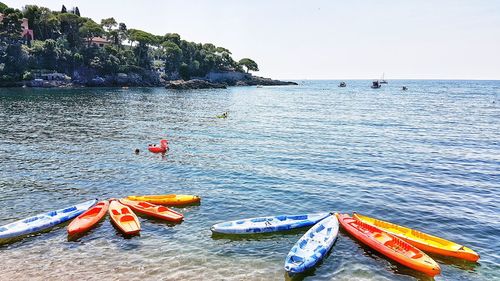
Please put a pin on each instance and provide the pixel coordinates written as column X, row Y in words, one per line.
column 137, row 151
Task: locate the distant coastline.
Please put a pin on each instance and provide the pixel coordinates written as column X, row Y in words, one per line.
column 44, row 48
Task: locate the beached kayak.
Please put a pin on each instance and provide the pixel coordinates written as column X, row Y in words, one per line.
column 43, row 221
column 153, row 210
column 313, row 245
column 123, row 218
column 267, row 224
column 162, row 148
column 423, row 241
column 389, row 245
column 167, row 199
column 88, row 219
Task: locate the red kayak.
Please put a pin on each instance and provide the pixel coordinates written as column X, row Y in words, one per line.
column 153, row 210
column 88, row 219
column 389, row 245
column 162, row 148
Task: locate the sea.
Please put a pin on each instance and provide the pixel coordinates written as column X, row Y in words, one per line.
column 427, row 158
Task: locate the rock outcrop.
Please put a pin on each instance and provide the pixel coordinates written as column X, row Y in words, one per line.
column 193, row 84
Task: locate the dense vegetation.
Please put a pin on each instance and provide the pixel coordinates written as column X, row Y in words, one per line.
column 63, row 43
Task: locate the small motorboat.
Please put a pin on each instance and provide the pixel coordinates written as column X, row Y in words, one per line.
column 405, row 88
column 162, row 148
column 376, row 84
column 342, row 84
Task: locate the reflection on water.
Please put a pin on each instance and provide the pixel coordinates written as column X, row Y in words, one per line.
column 427, row 158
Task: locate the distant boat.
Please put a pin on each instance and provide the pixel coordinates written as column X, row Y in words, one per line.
column 342, row 84
column 376, row 84
column 382, row 81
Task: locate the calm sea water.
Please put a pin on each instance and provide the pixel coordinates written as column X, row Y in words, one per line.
column 428, row 158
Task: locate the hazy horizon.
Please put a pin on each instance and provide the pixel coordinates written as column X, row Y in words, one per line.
column 322, row 40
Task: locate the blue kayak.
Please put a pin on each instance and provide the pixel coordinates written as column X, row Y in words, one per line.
column 313, row 245
column 43, row 221
column 267, row 224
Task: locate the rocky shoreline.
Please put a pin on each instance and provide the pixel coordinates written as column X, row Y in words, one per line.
column 219, row 80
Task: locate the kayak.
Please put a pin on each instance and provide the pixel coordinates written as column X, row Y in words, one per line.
column 153, row 210
column 88, row 219
column 43, row 221
column 390, row 246
column 167, row 199
column 313, row 245
column 267, row 224
column 159, row 149
column 123, row 218
column 421, row 240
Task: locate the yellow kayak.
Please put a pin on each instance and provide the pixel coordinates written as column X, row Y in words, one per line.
column 167, row 199
column 423, row 241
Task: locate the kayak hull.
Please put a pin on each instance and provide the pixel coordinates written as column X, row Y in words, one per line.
column 123, row 218
column 149, row 209
column 267, row 224
column 390, row 246
column 88, row 219
column 167, row 199
column 43, row 221
column 313, row 246
column 423, row 241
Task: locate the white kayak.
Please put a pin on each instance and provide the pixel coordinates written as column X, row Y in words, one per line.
column 267, row 224
column 313, row 245
column 43, row 221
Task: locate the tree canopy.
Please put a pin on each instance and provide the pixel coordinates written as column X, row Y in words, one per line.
column 63, row 43
column 249, row 64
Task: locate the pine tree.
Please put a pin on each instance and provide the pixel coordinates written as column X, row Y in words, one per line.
column 63, row 10
column 77, row 11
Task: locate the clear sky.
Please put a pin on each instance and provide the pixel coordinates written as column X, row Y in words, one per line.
column 326, row 39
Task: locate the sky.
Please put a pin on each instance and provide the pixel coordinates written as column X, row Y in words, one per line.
column 326, row 39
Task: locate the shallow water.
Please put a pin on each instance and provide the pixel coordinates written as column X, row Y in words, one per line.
column 428, row 158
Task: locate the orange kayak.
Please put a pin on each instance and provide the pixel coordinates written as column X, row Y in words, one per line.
column 389, row 245
column 123, row 218
column 167, row 199
column 88, row 219
column 423, row 241
column 153, row 210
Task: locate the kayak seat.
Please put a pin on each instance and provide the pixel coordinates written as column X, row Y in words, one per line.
column 70, row 209
column 162, row 209
column 115, row 212
column 28, row 220
column 92, row 212
column 2, row 229
column 303, row 244
column 125, row 211
column 127, row 218
column 144, row 205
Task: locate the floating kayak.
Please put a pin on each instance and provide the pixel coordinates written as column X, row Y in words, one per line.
column 159, row 149
column 313, row 245
column 267, row 224
column 389, row 245
column 156, row 211
column 88, row 219
column 167, row 199
column 423, row 241
column 43, row 221
column 123, row 218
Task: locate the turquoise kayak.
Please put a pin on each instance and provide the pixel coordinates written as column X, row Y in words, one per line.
column 267, row 224
column 313, row 245
column 43, row 221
